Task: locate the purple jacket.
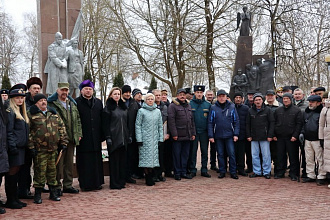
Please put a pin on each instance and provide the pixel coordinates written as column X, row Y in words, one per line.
column 180, row 120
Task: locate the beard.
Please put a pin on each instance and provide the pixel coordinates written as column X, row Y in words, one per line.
column 312, row 108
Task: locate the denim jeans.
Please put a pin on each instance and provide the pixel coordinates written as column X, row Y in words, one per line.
column 227, row 143
column 266, row 158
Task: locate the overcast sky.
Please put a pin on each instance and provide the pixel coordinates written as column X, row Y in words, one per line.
column 16, row 8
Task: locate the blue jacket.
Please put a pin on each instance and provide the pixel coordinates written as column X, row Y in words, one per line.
column 200, row 109
column 242, row 111
column 223, row 123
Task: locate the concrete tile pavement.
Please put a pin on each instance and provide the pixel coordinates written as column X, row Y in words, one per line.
column 199, row 198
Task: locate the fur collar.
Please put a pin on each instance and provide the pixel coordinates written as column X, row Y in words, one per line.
column 317, row 110
column 35, row 110
column 176, row 101
column 54, row 97
column 112, row 105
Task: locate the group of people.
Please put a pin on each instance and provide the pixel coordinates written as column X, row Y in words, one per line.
column 153, row 138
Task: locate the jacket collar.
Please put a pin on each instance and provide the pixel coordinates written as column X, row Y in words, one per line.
column 54, row 97
column 35, row 110
column 112, row 105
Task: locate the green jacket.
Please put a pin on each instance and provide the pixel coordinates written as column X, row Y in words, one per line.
column 47, row 131
column 70, row 117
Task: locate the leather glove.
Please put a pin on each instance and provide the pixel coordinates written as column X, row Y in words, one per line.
column 33, row 152
column 301, row 138
column 12, row 151
column 139, row 144
column 130, row 140
column 322, row 143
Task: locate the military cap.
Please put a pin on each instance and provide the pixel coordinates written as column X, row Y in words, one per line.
column 4, row 91
column 280, row 89
column 16, row 92
column 319, row 89
column 63, row 85
column 18, row 86
column 314, row 98
column 287, row 88
column 181, row 90
column 199, row 88
column 221, row 92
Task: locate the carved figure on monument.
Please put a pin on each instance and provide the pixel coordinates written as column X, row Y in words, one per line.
column 253, row 77
column 56, row 66
column 75, row 68
column 240, row 82
column 245, row 17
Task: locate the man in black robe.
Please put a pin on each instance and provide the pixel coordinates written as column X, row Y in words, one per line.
column 89, row 153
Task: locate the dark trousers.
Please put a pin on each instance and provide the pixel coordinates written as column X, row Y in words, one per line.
column 180, row 156
column 228, row 144
column 303, row 157
column 159, row 170
column 117, row 163
column 24, row 176
column 240, row 154
column 168, row 156
column 273, row 154
column 284, row 146
column 204, row 141
column 132, row 160
column 213, row 155
column 248, row 155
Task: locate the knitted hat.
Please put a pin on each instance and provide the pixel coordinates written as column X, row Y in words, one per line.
column 257, row 95
column 238, row 94
column 39, row 96
column 126, row 88
column 287, row 94
column 135, row 92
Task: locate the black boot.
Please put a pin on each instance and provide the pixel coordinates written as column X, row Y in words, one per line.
column 11, row 192
column 37, row 196
column 149, row 181
column 2, row 211
column 53, row 194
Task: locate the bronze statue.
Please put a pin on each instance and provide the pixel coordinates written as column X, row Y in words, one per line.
column 240, row 82
column 245, row 17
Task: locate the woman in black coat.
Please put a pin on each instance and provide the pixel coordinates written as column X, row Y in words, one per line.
column 116, row 134
column 17, row 138
column 4, row 165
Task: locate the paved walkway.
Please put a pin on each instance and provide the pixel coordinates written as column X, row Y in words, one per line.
column 200, row 198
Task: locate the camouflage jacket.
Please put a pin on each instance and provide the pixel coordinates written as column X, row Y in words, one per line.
column 47, row 131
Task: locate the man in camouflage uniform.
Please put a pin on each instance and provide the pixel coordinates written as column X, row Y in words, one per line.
column 66, row 108
column 47, row 132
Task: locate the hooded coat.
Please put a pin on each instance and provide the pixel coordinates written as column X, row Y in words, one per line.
column 324, row 134
column 149, row 131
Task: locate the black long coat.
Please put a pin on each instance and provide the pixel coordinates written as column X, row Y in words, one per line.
column 91, row 122
column 4, row 165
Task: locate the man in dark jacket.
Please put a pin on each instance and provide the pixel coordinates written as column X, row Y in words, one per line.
column 182, row 128
column 200, row 108
column 299, row 101
column 273, row 104
column 89, row 153
column 242, row 111
column 288, row 124
column 223, row 129
column 313, row 146
column 34, row 85
column 132, row 160
column 260, row 131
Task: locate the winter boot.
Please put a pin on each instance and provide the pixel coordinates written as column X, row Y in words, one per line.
column 53, row 194
column 149, row 181
column 2, row 211
column 11, row 192
column 37, row 196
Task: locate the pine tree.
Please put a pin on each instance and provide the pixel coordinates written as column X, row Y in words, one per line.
column 153, row 84
column 87, row 74
column 118, row 80
column 6, row 82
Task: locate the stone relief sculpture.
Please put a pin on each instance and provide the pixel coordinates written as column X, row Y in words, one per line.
column 56, row 65
column 245, row 20
column 240, row 82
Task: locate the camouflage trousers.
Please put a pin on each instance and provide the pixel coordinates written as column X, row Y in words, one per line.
column 44, row 169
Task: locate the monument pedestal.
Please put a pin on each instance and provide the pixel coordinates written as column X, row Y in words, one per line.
column 243, row 56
